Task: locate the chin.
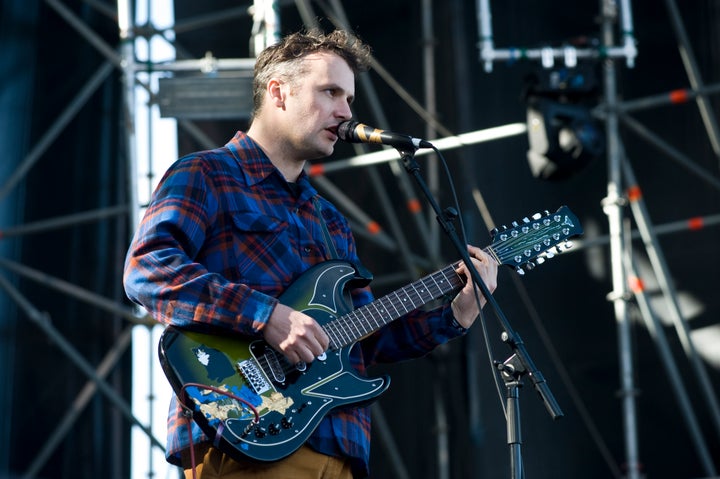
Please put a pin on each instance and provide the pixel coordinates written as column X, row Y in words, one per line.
column 325, row 151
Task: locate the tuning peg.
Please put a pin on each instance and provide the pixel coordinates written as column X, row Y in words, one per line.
column 540, row 260
column 520, row 271
column 536, row 216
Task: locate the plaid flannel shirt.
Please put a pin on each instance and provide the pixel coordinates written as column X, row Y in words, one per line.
column 223, row 237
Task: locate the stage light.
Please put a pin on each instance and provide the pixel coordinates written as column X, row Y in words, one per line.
column 563, row 136
column 563, row 139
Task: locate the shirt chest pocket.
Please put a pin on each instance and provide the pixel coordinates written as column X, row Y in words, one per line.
column 261, row 245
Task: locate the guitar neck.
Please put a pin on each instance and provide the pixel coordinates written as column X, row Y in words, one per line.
column 367, row 319
column 520, row 247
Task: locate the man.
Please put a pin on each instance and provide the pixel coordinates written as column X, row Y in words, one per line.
column 228, row 230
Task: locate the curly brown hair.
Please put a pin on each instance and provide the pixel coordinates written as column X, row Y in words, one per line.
column 284, row 59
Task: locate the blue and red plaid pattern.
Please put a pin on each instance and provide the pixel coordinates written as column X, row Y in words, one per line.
column 224, row 235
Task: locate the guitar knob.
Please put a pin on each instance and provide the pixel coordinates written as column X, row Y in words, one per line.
column 287, row 422
column 260, row 432
column 274, row 429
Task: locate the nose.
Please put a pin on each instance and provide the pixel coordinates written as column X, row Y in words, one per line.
column 343, row 111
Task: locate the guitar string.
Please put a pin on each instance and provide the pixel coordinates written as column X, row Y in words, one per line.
column 347, row 328
column 361, row 322
column 356, row 324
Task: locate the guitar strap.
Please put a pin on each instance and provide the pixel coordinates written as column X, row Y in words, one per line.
column 330, row 246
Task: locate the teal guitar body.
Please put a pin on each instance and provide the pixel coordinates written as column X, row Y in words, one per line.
column 282, row 403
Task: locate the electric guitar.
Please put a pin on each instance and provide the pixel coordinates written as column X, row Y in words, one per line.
column 252, row 403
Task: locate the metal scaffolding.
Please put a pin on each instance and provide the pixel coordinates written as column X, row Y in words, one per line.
column 622, row 193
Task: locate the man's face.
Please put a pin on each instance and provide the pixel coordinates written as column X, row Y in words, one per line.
column 316, row 103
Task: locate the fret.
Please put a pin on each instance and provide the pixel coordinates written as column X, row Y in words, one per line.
column 454, row 279
column 331, row 329
column 364, row 321
column 437, row 286
column 415, row 306
column 378, row 311
column 358, row 315
column 382, row 313
column 371, row 317
column 393, row 304
column 343, row 326
column 401, row 302
column 424, row 293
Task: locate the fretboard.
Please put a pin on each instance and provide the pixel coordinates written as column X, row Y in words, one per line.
column 364, row 320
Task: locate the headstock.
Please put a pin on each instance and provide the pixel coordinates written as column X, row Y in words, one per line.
column 527, row 243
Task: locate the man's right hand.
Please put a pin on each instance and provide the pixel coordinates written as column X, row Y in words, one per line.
column 298, row 336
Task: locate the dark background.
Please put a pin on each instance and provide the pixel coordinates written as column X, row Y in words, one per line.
column 561, row 310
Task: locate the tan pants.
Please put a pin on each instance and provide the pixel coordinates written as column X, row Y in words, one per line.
column 303, row 464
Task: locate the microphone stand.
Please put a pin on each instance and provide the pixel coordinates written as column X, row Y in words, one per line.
column 519, row 364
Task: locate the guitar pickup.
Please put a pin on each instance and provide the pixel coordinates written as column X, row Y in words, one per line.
column 274, row 364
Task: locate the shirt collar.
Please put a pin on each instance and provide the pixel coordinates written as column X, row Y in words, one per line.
column 257, row 167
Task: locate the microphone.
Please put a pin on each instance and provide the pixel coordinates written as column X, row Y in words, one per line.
column 354, row 132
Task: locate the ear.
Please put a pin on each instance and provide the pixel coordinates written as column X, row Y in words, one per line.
column 276, row 91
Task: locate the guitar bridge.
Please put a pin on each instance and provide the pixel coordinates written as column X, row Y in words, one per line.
column 253, row 376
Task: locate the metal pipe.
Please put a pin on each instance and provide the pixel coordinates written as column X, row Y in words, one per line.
column 670, row 98
column 657, row 259
column 448, row 143
column 86, row 32
column 42, row 320
column 487, row 48
column 83, row 398
column 266, row 25
column 653, row 325
column 127, row 65
column 696, row 81
column 76, row 292
column 63, row 221
column 429, row 84
column 57, row 127
column 613, row 208
column 672, row 152
column 339, row 18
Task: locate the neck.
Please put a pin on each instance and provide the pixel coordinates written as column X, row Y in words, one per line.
column 277, row 152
